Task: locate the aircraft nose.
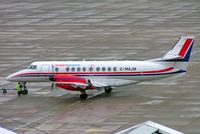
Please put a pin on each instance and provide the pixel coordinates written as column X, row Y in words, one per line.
column 16, row 77
column 10, row 77
column 13, row 77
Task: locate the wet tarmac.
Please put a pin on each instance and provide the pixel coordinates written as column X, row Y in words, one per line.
column 97, row 30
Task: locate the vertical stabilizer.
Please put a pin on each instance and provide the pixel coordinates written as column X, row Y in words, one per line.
column 181, row 51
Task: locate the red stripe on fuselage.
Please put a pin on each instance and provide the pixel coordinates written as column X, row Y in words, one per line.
column 76, row 73
column 185, row 47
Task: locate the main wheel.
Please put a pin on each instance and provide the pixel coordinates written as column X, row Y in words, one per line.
column 25, row 92
column 83, row 96
column 108, row 90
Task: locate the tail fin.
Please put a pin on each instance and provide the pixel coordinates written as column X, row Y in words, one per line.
column 179, row 56
column 181, row 51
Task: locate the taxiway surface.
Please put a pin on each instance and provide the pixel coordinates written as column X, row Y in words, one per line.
column 97, row 30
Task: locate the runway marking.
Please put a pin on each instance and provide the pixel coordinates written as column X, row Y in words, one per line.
column 153, row 102
column 27, row 129
column 67, row 107
column 90, row 130
column 95, row 94
column 27, row 124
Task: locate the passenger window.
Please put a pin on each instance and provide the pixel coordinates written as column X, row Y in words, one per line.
column 98, row 69
column 109, row 68
column 78, row 69
column 67, row 69
column 103, row 69
column 91, row 69
column 73, row 69
column 56, row 69
column 114, row 68
column 84, row 69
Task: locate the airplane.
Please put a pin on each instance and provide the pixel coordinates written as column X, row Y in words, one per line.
column 89, row 75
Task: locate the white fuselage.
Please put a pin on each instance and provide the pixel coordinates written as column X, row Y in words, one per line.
column 111, row 73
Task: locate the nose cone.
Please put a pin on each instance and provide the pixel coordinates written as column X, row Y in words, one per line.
column 10, row 77
column 14, row 77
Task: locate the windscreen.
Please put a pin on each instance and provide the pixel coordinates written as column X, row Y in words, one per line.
column 33, row 67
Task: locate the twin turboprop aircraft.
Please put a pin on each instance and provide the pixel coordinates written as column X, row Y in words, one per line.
column 89, row 75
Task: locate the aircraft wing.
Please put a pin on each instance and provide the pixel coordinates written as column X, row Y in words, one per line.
column 97, row 84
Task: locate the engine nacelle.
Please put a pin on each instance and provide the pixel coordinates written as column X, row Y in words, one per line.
column 66, row 81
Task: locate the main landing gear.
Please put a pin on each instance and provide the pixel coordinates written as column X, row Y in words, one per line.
column 108, row 90
column 83, row 95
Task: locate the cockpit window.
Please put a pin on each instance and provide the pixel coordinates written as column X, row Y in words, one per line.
column 34, row 67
